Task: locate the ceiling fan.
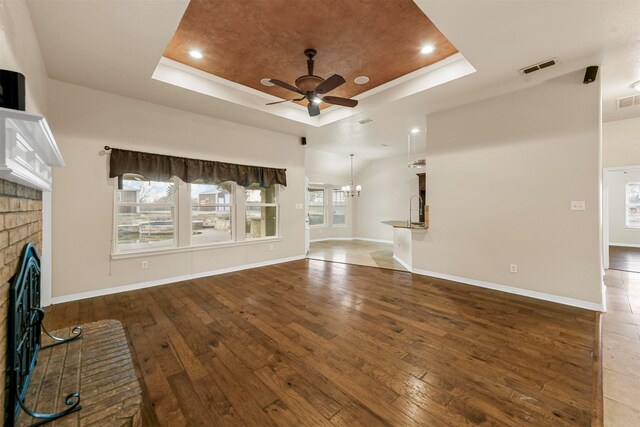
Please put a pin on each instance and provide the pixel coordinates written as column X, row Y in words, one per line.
column 311, row 87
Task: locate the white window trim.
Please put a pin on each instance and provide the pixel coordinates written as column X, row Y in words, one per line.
column 333, row 209
column 628, row 205
column 232, row 217
column 182, row 243
column 176, row 219
column 276, row 205
column 317, row 187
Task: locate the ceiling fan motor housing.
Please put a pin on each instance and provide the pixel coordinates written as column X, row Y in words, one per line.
column 308, row 83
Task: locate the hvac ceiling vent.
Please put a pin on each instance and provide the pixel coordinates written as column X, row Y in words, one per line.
column 628, row 101
column 537, row 67
column 364, row 121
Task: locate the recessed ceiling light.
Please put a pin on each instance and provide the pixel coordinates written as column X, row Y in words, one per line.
column 361, row 80
column 426, row 49
column 636, row 85
column 317, row 100
column 266, row 82
column 195, row 54
column 415, row 130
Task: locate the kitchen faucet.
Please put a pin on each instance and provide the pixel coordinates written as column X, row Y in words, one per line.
column 409, row 223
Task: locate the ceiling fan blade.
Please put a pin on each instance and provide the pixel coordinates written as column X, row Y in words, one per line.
column 330, row 84
column 284, row 100
column 286, row 86
column 336, row 100
column 314, row 109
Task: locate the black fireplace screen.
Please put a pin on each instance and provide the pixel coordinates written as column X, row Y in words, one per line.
column 24, row 327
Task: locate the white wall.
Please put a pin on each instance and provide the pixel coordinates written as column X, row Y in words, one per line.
column 618, row 232
column 329, row 170
column 387, row 185
column 19, row 51
column 501, row 174
column 84, row 121
column 621, row 143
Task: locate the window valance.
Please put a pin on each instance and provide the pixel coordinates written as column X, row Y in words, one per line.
column 159, row 167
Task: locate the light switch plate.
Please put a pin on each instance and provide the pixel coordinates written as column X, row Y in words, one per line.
column 298, row 205
column 577, row 205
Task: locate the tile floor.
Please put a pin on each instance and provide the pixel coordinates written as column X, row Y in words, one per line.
column 359, row 252
column 621, row 349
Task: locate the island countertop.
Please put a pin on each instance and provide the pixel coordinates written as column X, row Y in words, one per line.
column 403, row 224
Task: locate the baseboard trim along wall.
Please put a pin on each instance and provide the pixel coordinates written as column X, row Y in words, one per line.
column 366, row 239
column 167, row 280
column 628, row 245
column 402, row 263
column 517, row 291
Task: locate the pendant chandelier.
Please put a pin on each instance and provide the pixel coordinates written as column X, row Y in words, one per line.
column 351, row 190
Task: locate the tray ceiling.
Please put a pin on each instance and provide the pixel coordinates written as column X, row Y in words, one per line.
column 249, row 40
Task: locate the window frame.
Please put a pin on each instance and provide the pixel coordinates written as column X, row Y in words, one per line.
column 176, row 219
column 317, row 187
column 335, row 190
column 232, row 215
column 275, row 204
column 628, row 205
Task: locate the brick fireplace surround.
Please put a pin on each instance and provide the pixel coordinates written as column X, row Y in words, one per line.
column 20, row 223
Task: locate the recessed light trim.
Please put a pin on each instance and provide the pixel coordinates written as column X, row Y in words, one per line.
column 361, row 80
column 636, row 85
column 266, row 82
column 195, row 54
column 427, row 49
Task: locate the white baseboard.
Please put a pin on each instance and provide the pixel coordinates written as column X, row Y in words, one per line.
column 167, row 280
column 628, row 245
column 366, row 239
column 517, row 291
column 402, row 263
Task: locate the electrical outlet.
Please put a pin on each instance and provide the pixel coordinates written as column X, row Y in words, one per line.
column 145, row 265
column 577, row 205
column 271, row 247
column 513, row 268
column 298, row 205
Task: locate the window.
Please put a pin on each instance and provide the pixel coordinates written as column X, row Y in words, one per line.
column 211, row 213
column 339, row 207
column 633, row 205
column 261, row 215
column 146, row 214
column 316, row 206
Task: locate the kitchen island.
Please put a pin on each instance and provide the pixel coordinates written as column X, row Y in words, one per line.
column 404, row 234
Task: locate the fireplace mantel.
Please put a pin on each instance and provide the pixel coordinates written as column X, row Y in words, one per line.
column 28, row 150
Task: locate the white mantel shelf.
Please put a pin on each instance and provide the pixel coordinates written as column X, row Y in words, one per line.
column 28, row 150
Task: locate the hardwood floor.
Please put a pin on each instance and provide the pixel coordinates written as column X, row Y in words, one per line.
column 624, row 258
column 320, row 343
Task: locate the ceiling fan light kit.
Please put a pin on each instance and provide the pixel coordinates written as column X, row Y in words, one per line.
column 311, row 87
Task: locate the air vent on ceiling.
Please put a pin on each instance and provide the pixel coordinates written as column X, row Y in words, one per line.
column 364, row 121
column 537, row 67
column 629, row 101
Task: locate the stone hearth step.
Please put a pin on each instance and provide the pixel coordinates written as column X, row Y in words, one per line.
column 99, row 366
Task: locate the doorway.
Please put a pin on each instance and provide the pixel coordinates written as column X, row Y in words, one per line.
column 621, row 218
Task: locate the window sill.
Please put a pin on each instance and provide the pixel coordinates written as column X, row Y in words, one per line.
column 339, row 225
column 155, row 252
column 318, row 226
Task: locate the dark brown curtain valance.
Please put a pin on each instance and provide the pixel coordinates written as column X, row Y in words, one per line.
column 158, row 167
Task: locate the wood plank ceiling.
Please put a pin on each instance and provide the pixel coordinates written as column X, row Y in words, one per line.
column 245, row 41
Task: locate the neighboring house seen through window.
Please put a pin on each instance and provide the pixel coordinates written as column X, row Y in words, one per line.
column 146, row 212
column 149, row 214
